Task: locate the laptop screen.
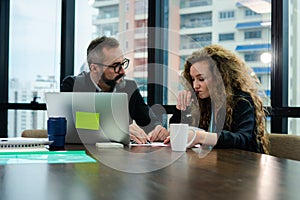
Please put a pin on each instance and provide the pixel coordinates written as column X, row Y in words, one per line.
column 91, row 117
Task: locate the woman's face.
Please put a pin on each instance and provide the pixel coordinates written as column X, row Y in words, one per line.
column 201, row 77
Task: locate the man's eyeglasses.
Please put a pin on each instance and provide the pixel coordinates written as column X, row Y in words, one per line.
column 118, row 65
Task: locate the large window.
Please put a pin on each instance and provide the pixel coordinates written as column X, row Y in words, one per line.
column 34, row 58
column 195, row 20
column 226, row 36
column 38, row 38
column 223, row 15
column 253, row 34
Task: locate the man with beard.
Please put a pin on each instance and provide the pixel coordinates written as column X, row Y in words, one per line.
column 107, row 74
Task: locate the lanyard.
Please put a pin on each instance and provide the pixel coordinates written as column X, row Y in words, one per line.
column 211, row 126
column 211, row 122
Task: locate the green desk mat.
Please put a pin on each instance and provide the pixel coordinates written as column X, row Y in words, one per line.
column 73, row 156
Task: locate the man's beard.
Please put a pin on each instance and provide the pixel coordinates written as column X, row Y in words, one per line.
column 112, row 83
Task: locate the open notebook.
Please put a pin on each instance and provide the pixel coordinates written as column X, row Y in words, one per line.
column 24, row 144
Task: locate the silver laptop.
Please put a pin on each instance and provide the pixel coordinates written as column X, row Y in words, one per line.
column 91, row 117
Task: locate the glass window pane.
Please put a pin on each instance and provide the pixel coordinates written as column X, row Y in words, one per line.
column 34, row 49
column 239, row 26
column 293, row 57
column 97, row 18
column 20, row 120
column 294, row 126
column 34, row 56
column 85, row 31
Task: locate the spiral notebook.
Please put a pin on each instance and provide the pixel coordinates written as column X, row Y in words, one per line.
column 24, row 144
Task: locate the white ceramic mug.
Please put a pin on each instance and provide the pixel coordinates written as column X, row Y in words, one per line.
column 179, row 136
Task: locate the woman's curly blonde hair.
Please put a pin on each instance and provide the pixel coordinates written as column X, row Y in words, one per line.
column 235, row 76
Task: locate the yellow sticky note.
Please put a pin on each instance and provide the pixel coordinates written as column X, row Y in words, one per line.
column 87, row 120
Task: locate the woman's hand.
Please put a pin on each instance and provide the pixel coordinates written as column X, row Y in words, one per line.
column 191, row 135
column 167, row 140
column 184, row 99
column 202, row 137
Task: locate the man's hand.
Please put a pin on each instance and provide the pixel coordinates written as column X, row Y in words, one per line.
column 159, row 133
column 138, row 135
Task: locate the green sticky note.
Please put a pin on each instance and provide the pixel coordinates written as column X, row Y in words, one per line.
column 87, row 120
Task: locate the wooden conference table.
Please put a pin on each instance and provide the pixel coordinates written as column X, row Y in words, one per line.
column 221, row 174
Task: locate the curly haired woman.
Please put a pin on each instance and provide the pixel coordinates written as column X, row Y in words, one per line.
column 228, row 106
